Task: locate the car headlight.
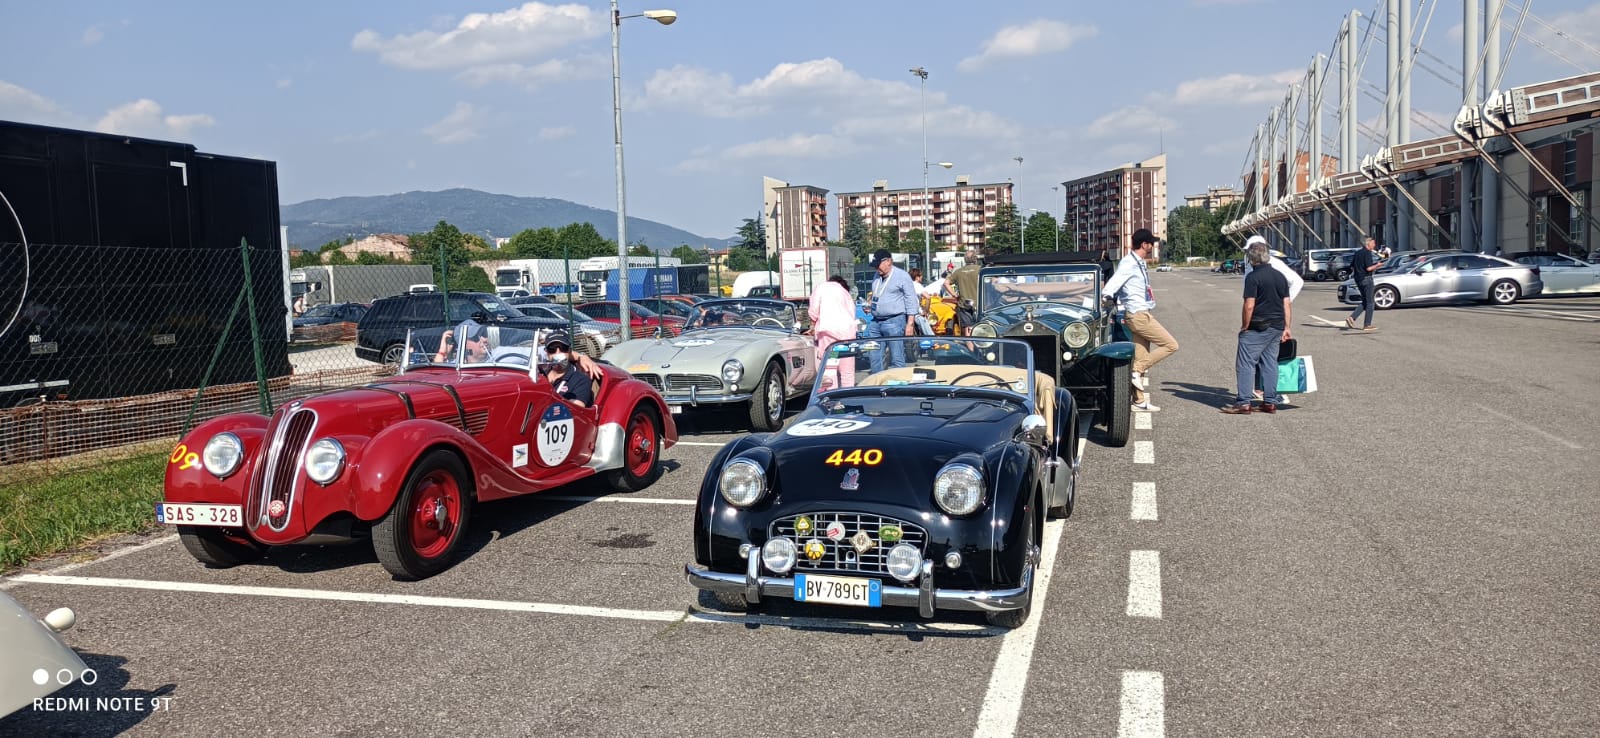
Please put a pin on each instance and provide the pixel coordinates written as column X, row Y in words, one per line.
column 732, row 371
column 743, row 482
column 983, row 330
column 1076, row 334
column 958, row 489
column 324, row 461
column 903, row 561
column 222, row 454
column 778, row 555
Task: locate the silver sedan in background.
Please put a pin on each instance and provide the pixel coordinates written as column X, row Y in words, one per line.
column 601, row 336
column 1450, row 277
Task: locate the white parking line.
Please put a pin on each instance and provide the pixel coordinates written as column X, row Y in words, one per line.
column 1141, row 421
column 1546, row 434
column 1143, row 705
column 615, row 498
column 1144, row 452
column 1002, row 704
column 511, row 606
column 119, row 553
column 700, row 443
column 1144, row 584
column 1514, row 309
column 1144, row 501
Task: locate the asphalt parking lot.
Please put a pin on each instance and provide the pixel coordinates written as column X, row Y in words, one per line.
column 1411, row 550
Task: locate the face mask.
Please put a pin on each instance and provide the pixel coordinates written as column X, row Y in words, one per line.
column 558, row 358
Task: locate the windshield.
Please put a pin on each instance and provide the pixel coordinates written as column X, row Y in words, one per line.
column 567, row 313
column 590, row 275
column 321, row 311
column 1001, row 288
column 470, row 343
column 772, row 314
column 997, row 364
column 508, row 279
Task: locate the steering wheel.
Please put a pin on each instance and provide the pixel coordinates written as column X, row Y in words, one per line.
column 997, row 380
column 774, row 322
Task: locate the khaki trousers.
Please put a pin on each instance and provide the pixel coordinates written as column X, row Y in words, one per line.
column 1151, row 343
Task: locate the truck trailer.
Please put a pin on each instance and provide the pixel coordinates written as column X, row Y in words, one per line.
column 334, row 283
column 804, row 269
column 520, row 277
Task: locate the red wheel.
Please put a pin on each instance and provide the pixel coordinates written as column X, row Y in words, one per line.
column 419, row 535
column 641, row 452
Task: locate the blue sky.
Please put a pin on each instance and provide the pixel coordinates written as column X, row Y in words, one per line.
column 368, row 98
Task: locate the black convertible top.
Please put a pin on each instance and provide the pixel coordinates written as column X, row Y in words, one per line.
column 1043, row 257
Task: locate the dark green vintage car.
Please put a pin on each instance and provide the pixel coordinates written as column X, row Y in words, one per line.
column 1052, row 302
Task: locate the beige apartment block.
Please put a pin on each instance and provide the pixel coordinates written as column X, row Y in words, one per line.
column 1106, row 208
column 956, row 217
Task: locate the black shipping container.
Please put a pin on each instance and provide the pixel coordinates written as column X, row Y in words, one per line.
column 131, row 265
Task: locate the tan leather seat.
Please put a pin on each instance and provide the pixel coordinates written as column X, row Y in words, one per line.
column 1044, row 386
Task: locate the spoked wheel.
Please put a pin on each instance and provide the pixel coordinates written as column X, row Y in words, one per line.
column 641, row 452
column 766, row 408
column 393, row 355
column 218, row 549
column 1504, row 292
column 1385, row 297
column 420, row 534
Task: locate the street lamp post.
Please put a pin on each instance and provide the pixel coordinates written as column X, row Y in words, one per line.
column 927, row 207
column 665, row 18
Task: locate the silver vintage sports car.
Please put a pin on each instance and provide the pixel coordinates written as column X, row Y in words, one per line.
column 38, row 662
column 741, row 351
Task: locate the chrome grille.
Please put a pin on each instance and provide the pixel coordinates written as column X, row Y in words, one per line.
column 841, row 555
column 654, row 380
column 686, row 383
column 287, row 447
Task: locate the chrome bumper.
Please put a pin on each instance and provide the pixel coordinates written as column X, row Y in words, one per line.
column 923, row 596
column 695, row 399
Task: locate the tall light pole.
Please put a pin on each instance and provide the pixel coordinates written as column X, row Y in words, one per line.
column 665, row 18
column 927, row 207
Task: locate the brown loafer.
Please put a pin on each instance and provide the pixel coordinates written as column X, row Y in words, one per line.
column 1266, row 407
column 1236, row 409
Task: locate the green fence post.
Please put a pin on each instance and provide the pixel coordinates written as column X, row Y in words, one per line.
column 566, row 286
column 216, row 354
column 444, row 284
column 262, row 394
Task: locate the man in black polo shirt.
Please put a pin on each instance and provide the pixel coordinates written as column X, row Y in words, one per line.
column 566, row 380
column 1264, row 323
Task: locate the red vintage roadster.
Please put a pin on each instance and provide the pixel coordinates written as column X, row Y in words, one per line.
column 404, row 459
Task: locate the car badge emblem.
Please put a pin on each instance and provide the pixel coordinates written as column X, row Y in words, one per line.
column 815, row 549
column 862, row 541
column 852, row 480
column 835, row 531
column 802, row 525
column 890, row 533
column 276, row 508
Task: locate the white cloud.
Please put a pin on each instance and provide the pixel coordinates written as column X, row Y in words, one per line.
column 531, row 30
column 1234, row 89
column 22, row 104
column 459, row 126
column 143, row 117
column 537, row 75
column 1132, row 120
column 93, row 35
column 556, row 133
column 1038, row 37
column 283, row 84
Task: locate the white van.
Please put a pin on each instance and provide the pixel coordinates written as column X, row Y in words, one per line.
column 745, row 282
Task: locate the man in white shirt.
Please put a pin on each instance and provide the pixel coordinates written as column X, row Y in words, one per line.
column 1130, row 286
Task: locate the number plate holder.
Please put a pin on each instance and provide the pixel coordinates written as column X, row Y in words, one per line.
column 853, row 591
column 183, row 513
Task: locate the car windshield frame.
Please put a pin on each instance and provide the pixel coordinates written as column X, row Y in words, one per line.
column 924, row 373
column 1083, row 293
column 509, row 348
column 748, row 311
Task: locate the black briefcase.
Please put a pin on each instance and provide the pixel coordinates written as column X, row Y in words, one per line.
column 1287, row 350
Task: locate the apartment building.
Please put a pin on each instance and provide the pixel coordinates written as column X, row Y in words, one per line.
column 956, row 217
column 796, row 215
column 1213, row 198
column 1106, row 208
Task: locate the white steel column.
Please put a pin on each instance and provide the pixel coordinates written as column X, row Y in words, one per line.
column 1314, row 133
column 1489, row 186
column 1467, row 175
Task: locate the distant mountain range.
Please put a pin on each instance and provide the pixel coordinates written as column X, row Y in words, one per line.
column 316, row 222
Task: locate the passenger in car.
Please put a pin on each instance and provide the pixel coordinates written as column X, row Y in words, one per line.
column 566, row 380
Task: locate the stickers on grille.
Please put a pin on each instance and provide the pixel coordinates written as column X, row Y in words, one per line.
column 851, row 551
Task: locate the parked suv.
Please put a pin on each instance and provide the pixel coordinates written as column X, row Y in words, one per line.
column 1320, row 263
column 381, row 334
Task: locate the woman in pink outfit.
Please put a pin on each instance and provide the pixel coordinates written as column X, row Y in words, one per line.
column 833, row 319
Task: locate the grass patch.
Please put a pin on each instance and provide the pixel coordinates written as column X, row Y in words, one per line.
column 47, row 514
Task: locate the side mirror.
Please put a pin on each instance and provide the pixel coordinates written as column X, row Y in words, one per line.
column 1033, row 428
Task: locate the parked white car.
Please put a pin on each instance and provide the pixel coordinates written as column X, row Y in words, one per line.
column 38, row 662
column 1562, row 274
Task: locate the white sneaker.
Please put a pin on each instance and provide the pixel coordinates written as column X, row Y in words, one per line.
column 1145, row 406
column 1140, row 381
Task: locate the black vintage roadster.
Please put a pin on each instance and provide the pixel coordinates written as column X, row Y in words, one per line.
column 1051, row 301
column 924, row 484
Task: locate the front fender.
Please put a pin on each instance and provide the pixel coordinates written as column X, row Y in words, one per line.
column 1016, row 479
column 186, row 479
column 708, row 525
column 1114, row 351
